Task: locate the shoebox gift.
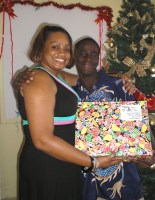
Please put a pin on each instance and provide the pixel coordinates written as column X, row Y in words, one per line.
column 123, row 126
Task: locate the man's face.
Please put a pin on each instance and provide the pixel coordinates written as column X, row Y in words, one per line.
column 87, row 58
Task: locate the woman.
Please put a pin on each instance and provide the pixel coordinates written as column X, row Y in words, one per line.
column 50, row 166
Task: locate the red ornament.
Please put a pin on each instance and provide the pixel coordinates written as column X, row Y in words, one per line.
column 139, row 96
column 6, row 6
column 151, row 103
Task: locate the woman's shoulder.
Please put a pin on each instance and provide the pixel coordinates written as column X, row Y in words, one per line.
column 41, row 81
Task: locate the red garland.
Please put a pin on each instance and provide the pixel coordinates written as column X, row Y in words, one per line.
column 67, row 7
column 104, row 15
column 104, row 11
column 6, row 6
column 141, row 97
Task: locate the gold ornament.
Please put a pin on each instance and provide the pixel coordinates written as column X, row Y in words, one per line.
column 152, row 119
column 118, row 32
column 153, row 27
column 144, row 4
column 133, row 47
column 105, row 63
column 136, row 15
column 145, row 36
column 147, row 28
column 133, row 79
column 110, row 42
column 120, row 24
column 108, row 51
column 117, row 60
column 152, row 69
column 115, row 53
column 111, row 45
column 124, row 20
column 151, row 35
column 146, row 18
column 130, row 14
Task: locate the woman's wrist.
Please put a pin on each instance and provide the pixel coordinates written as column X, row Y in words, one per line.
column 93, row 166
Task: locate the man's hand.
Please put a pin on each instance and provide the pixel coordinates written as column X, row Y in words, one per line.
column 25, row 76
column 146, row 162
column 128, row 85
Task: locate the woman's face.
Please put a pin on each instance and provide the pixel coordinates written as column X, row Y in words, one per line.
column 56, row 52
column 86, row 58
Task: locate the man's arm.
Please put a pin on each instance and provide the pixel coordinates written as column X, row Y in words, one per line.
column 27, row 75
column 128, row 85
column 24, row 75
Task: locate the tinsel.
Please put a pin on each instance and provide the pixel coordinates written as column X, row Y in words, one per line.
column 6, row 6
column 108, row 10
column 104, row 12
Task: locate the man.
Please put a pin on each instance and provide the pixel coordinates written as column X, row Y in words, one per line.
column 120, row 181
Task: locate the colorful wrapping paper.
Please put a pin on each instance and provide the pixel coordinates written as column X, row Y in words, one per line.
column 123, row 126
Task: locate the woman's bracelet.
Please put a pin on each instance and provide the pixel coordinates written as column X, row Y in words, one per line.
column 94, row 165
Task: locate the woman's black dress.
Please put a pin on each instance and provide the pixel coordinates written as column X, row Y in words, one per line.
column 42, row 177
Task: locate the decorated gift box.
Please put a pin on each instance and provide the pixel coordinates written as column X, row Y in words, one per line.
column 102, row 127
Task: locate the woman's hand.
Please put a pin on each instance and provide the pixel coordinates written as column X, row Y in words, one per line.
column 107, row 161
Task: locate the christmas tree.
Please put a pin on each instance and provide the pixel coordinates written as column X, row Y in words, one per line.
column 130, row 49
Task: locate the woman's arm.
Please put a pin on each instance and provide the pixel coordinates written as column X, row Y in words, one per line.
column 39, row 97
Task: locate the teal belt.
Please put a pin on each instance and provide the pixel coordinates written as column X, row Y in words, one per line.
column 58, row 120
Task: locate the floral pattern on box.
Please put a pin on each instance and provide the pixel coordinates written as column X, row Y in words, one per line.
column 100, row 128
